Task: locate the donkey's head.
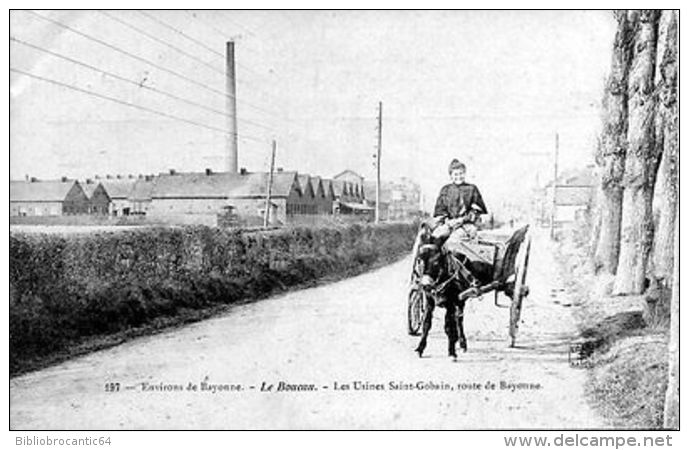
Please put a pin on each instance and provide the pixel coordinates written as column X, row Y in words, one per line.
column 432, row 259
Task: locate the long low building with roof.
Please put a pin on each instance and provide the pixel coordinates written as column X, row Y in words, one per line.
column 33, row 197
column 287, row 196
column 213, row 193
column 110, row 194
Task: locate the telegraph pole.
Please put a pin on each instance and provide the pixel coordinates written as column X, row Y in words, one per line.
column 379, row 150
column 269, row 191
column 231, row 109
column 554, row 205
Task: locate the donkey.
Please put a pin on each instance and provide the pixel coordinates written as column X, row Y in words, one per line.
column 445, row 278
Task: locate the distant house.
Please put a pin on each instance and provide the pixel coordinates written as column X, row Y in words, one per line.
column 189, row 193
column 404, row 199
column 99, row 202
column 243, row 193
column 34, row 197
column 399, row 199
column 118, row 190
column 352, row 178
column 573, row 194
column 385, row 198
column 289, row 201
column 348, row 187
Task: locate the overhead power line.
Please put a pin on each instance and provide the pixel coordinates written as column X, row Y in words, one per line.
column 225, row 35
column 162, row 42
column 209, row 25
column 267, row 76
column 132, row 105
column 181, row 33
column 139, row 84
column 245, row 28
column 194, row 40
column 144, row 60
column 210, row 66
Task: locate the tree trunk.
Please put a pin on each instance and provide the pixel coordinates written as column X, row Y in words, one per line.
column 595, row 213
column 671, row 413
column 640, row 161
column 665, row 191
column 612, row 148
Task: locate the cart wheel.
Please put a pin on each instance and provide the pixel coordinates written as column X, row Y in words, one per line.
column 415, row 310
column 520, row 288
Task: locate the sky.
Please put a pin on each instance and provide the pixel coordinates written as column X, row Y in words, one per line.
column 491, row 88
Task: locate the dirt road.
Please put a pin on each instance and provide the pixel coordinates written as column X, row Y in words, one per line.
column 344, row 360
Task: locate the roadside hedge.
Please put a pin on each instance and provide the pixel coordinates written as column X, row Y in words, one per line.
column 64, row 288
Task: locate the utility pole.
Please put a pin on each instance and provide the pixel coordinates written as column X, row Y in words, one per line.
column 378, row 153
column 231, row 109
column 269, row 190
column 554, row 205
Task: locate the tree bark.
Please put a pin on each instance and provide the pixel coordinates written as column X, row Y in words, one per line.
column 612, row 148
column 640, row 161
column 671, row 412
column 595, row 211
column 667, row 144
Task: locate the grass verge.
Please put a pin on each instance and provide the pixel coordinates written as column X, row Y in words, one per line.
column 627, row 348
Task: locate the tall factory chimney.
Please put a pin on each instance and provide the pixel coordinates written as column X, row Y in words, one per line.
column 231, row 107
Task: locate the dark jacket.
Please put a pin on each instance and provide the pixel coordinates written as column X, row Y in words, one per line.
column 456, row 200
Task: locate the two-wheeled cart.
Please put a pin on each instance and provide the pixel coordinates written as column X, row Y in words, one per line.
column 509, row 258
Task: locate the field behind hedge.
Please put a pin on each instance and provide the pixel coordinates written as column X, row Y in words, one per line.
column 67, row 288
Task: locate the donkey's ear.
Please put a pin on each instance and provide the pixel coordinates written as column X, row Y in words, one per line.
column 425, row 233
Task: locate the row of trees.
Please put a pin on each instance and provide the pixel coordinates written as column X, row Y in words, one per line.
column 635, row 225
column 638, row 154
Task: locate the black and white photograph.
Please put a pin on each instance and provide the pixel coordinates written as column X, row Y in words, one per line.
column 255, row 219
